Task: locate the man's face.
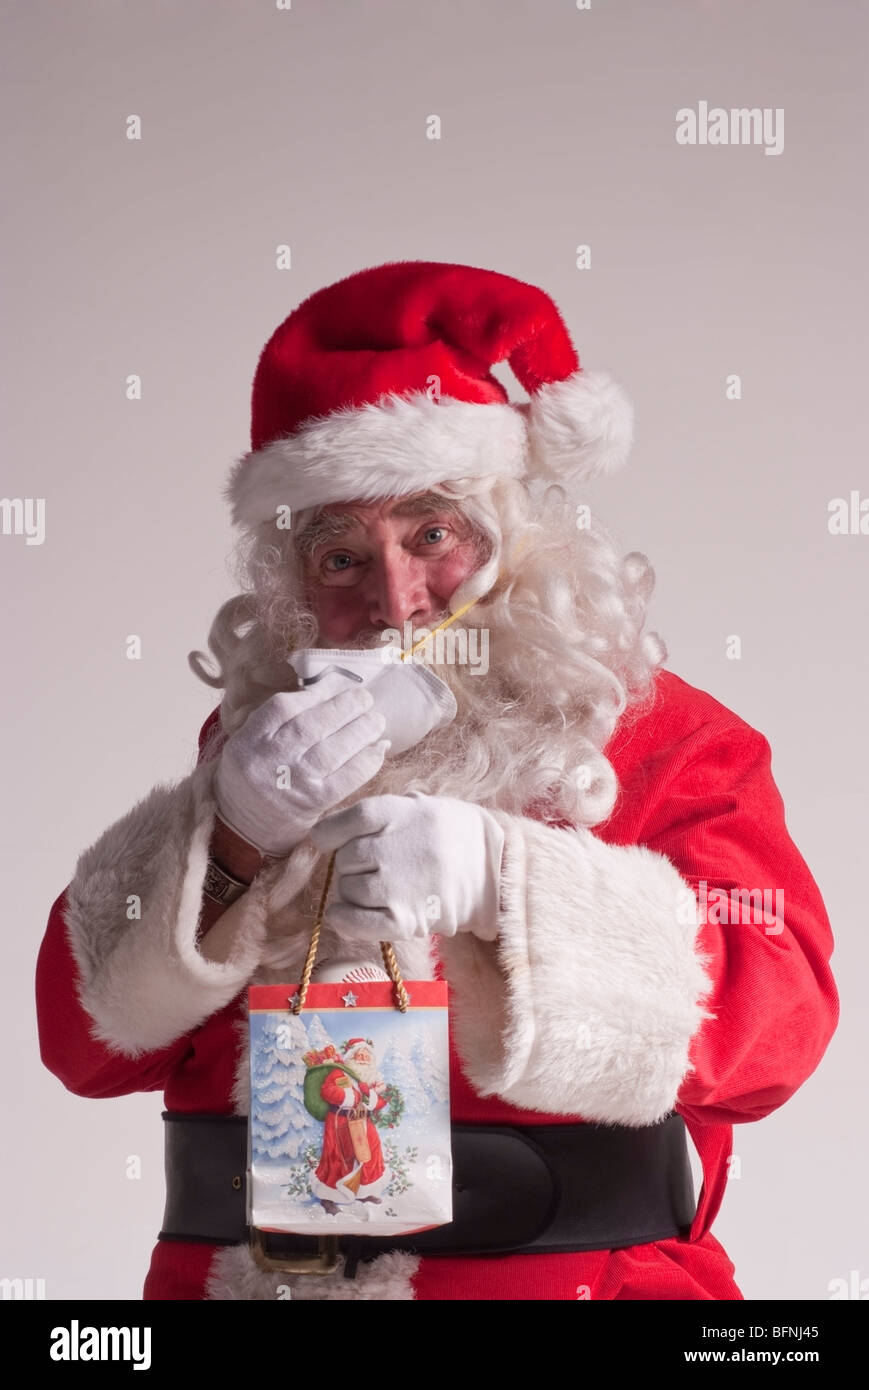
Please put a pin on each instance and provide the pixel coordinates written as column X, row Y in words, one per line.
column 370, row 567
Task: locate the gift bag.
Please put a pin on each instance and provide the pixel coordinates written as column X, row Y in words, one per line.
column 349, row 1116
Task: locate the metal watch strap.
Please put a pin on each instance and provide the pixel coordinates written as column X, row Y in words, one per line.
column 220, row 886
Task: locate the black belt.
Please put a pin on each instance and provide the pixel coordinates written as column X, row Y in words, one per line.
column 535, row 1189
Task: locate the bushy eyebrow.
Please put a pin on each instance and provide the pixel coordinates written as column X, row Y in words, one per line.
column 330, row 526
column 324, row 528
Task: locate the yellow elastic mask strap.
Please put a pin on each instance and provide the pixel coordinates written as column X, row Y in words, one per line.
column 464, row 608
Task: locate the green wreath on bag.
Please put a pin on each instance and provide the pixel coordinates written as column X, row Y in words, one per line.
column 392, row 1114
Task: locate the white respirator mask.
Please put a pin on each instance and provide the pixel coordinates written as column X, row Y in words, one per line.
column 411, row 698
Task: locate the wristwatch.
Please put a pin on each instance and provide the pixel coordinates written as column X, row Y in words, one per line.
column 220, row 886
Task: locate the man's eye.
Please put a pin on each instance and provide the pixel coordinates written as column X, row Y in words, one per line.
column 339, row 562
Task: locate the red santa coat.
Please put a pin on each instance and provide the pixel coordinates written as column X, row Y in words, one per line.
column 596, row 1000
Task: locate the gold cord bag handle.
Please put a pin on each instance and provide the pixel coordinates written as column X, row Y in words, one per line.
column 402, row 997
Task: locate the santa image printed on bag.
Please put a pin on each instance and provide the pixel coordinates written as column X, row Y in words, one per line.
column 351, row 1166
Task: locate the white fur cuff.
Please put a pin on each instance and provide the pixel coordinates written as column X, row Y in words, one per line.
column 133, row 911
column 587, row 1003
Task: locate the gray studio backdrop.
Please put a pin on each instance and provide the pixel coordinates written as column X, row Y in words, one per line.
column 724, row 285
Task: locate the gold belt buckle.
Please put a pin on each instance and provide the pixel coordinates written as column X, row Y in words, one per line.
column 323, row 1260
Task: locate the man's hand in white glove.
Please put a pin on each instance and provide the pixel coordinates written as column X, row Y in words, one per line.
column 295, row 757
column 412, row 866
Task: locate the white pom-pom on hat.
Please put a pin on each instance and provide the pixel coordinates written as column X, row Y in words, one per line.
column 579, row 428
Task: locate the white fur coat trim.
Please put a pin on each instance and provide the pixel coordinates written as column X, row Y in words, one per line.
column 234, row 1275
column 141, row 977
column 587, row 1003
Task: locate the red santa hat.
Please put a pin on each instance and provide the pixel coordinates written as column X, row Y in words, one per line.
column 356, row 1045
column 380, row 385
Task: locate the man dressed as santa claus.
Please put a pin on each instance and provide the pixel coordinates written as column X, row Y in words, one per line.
column 563, row 807
column 351, row 1166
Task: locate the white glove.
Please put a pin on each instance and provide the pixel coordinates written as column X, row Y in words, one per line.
column 412, row 866
column 295, row 757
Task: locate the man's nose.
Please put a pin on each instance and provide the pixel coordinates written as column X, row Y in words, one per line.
column 399, row 591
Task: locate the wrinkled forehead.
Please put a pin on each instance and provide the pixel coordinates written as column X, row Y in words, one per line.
column 334, row 519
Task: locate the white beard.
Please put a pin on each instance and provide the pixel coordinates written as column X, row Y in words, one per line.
column 507, row 734
column 367, row 1073
column 501, row 750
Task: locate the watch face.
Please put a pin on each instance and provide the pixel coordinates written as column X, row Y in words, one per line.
column 215, row 884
